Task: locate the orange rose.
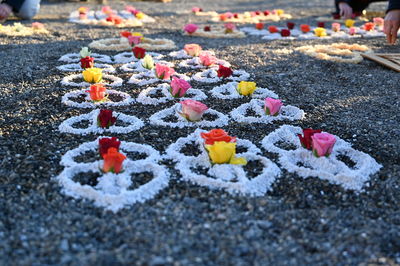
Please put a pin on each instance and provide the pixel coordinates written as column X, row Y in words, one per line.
column 113, row 161
column 97, row 92
column 217, row 135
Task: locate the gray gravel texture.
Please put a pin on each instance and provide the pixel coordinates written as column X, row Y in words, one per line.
column 300, row 222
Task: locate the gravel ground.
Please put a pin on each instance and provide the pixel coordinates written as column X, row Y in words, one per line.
column 300, row 222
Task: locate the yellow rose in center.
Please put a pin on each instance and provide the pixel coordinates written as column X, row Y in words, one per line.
column 139, row 15
column 224, row 152
column 279, row 12
column 93, row 75
column 246, row 88
column 349, row 23
column 320, row 32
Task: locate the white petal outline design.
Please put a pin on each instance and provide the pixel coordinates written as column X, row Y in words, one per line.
column 157, row 119
column 144, row 96
column 231, row 178
column 149, row 77
column 195, row 63
column 112, row 191
column 288, row 112
column 138, row 66
column 128, row 57
column 305, row 164
column 75, row 67
column 238, row 75
column 67, row 125
column 68, row 159
column 229, row 91
column 76, row 57
column 68, row 81
column 66, row 99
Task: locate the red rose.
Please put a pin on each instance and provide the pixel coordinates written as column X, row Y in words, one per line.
column 87, row 62
column 321, row 24
column 285, row 33
column 273, row 29
column 125, row 34
column 336, row 16
column 236, row 15
column 216, row 135
column 114, row 19
column 224, row 72
column 105, row 118
column 305, row 139
column 138, row 52
column 106, row 143
column 266, row 12
column 258, row 13
column 260, row 26
column 207, row 28
column 290, row 25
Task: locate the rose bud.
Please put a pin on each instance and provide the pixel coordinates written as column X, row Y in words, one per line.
column 267, row 12
column 223, row 17
column 305, row 139
column 207, row 59
column 285, row 33
column 378, row 21
column 246, row 88
column 93, row 75
column 349, row 23
column 320, row 24
column 229, row 27
column 253, row 14
column 352, row 31
column 192, row 49
column 216, row 135
column 258, row 12
column 83, row 10
column 105, row 118
column 236, row 15
column 222, row 152
column 113, row 161
column 139, row 15
column 322, row 144
column 139, row 52
column 107, row 10
column 305, row 28
column 179, row 87
column 207, row 28
column 97, row 92
column 320, row 32
column 369, row 26
column 163, row 71
column 273, row 29
column 134, row 40
column 125, row 34
column 336, row 27
column 196, row 9
column 279, row 12
column 106, row 143
column 290, row 25
column 260, row 26
column 272, row 106
column 192, row 110
column 148, row 62
column 87, row 62
column 37, row 26
column 85, row 52
column 336, row 16
column 224, row 72
column 190, row 28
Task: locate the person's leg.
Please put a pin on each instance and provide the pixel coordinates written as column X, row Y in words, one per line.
column 29, row 9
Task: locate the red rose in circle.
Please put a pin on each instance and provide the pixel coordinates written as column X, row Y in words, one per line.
column 290, row 25
column 236, row 15
column 216, row 135
column 285, row 33
column 321, row 24
column 267, row 12
column 138, row 52
column 125, row 34
column 224, row 72
column 207, row 28
column 305, row 139
column 273, row 29
column 106, row 143
column 87, row 62
column 105, row 118
column 260, row 26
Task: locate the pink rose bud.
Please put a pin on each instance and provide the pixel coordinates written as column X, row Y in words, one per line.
column 230, row 26
column 322, row 144
column 272, row 106
column 192, row 49
column 134, row 40
column 336, row 27
column 207, row 59
column 163, row 71
column 352, row 31
column 179, row 87
column 107, row 10
column 378, row 21
column 192, row 110
column 37, row 25
column 190, row 28
column 130, row 9
column 196, row 9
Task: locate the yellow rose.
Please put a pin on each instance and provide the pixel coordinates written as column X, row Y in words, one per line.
column 320, row 32
column 224, row 152
column 93, row 75
column 279, row 12
column 246, row 88
column 140, row 15
column 246, row 14
column 349, row 23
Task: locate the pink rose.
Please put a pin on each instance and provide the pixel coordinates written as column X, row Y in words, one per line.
column 107, row 10
column 272, row 106
column 352, row 31
column 163, row 71
column 179, row 87
column 130, row 9
column 378, row 21
column 190, row 28
column 192, row 49
column 196, row 9
column 192, row 110
column 37, row 25
column 207, row 59
column 229, row 27
column 336, row 27
column 322, row 144
column 134, row 40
